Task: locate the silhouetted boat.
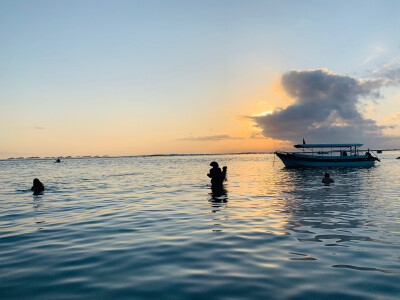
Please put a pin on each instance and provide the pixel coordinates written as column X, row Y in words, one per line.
column 328, row 155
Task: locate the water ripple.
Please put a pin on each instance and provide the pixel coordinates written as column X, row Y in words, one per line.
column 367, row 269
column 149, row 228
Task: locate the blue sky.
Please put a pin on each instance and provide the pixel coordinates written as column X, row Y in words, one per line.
column 138, row 77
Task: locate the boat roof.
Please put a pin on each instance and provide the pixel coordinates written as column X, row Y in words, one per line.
column 326, row 145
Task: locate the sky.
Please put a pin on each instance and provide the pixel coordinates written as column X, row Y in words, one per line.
column 157, row 77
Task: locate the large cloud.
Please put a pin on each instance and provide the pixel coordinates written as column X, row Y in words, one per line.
column 325, row 109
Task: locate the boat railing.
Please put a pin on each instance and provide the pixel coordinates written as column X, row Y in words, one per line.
column 324, row 152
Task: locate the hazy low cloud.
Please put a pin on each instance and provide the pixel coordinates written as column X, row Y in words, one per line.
column 211, row 138
column 389, row 74
column 377, row 52
column 40, row 127
column 325, row 108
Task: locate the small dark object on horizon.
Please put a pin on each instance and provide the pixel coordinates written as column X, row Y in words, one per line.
column 57, row 160
column 37, row 187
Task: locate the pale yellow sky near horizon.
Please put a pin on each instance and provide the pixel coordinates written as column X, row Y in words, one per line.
column 120, row 135
column 115, row 136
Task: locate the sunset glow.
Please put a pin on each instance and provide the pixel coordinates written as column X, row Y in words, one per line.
column 124, row 78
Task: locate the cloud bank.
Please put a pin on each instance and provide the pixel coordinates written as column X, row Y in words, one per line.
column 325, row 108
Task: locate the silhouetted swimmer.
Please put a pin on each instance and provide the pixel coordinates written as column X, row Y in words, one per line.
column 217, row 178
column 37, row 187
column 58, row 160
column 327, row 179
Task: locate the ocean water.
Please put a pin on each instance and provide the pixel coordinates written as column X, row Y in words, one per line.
column 148, row 227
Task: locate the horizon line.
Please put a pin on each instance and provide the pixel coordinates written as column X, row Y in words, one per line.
column 139, row 155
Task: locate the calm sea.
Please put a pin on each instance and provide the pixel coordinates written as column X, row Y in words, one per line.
column 147, row 227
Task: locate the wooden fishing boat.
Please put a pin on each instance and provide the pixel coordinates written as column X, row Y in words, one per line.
column 328, row 155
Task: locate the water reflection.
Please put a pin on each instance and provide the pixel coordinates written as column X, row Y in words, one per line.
column 218, row 201
column 334, row 214
column 281, row 232
column 313, row 206
column 219, row 195
column 38, row 217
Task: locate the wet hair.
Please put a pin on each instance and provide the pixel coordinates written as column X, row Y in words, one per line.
column 38, row 187
column 326, row 174
column 214, row 164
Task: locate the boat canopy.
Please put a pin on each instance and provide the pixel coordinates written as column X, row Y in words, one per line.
column 326, row 145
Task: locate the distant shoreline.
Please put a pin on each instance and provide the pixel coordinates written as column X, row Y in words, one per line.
column 149, row 155
column 128, row 156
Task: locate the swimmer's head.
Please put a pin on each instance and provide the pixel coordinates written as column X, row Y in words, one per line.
column 214, row 164
column 36, row 181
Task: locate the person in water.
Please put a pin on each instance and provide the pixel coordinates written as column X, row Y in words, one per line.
column 37, row 187
column 327, row 179
column 217, row 177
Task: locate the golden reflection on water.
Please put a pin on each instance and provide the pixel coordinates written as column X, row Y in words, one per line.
column 256, row 196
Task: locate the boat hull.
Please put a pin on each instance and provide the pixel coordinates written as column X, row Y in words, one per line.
column 292, row 160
